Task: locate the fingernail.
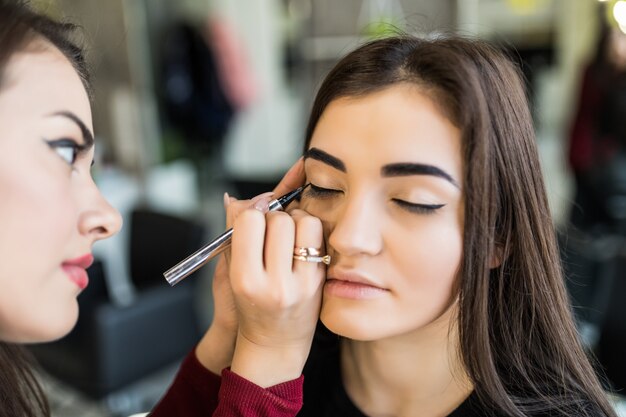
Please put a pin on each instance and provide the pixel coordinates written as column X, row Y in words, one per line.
column 226, row 200
column 262, row 204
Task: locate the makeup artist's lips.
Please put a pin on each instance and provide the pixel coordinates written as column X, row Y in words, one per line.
column 76, row 270
column 353, row 286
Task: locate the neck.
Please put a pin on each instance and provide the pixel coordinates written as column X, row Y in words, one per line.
column 417, row 373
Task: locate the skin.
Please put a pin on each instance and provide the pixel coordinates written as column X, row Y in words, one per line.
column 390, row 290
column 52, row 212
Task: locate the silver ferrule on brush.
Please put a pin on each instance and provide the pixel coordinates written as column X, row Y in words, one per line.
column 197, row 259
column 203, row 255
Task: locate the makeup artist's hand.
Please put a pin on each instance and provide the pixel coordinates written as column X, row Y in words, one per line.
column 215, row 350
column 278, row 298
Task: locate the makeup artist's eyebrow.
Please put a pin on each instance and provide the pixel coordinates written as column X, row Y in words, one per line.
column 410, row 168
column 87, row 135
column 320, row 155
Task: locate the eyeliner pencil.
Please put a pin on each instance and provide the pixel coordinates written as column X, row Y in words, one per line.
column 203, row 255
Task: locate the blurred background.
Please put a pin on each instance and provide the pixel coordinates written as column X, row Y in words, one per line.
column 198, row 97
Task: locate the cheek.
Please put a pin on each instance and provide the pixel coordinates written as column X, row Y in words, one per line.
column 39, row 216
column 38, row 224
column 429, row 260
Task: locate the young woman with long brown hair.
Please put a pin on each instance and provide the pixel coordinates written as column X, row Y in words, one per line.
column 444, row 294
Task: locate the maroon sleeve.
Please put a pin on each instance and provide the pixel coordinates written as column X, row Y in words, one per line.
column 583, row 130
column 239, row 397
column 198, row 392
column 193, row 392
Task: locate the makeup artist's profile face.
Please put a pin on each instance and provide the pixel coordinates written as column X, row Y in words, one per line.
column 386, row 181
column 51, row 211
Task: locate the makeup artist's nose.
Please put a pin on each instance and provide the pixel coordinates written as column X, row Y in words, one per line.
column 357, row 230
column 98, row 220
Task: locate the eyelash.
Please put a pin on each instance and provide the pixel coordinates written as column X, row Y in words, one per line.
column 418, row 208
column 66, row 143
column 321, row 193
column 325, row 193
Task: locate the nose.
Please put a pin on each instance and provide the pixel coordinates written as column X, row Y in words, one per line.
column 98, row 220
column 357, row 230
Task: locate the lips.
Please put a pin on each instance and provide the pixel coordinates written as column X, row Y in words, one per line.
column 76, row 270
column 352, row 285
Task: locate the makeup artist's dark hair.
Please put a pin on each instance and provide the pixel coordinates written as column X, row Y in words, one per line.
column 20, row 26
column 518, row 340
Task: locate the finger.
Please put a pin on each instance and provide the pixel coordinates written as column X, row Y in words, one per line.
column 237, row 206
column 247, row 250
column 293, row 179
column 279, row 241
column 309, row 234
column 234, row 207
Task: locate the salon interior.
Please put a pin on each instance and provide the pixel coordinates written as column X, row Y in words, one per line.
column 198, row 97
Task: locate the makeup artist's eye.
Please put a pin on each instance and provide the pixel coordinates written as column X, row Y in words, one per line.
column 321, row 193
column 417, row 208
column 67, row 149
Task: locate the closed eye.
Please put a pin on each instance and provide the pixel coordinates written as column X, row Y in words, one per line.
column 321, row 193
column 417, row 208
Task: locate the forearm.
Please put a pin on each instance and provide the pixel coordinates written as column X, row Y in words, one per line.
column 216, row 348
column 267, row 366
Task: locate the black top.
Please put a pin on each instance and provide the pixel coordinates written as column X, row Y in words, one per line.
column 325, row 395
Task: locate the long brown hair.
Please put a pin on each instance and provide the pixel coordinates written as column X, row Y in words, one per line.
column 20, row 393
column 518, row 340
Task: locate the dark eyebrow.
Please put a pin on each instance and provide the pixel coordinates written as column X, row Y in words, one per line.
column 87, row 135
column 392, row 170
column 320, row 155
column 410, row 168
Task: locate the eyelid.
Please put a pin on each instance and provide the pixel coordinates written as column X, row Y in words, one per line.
column 417, row 207
column 321, row 192
column 79, row 148
column 318, row 192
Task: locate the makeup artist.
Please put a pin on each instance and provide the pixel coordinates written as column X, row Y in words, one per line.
column 51, row 212
column 444, row 295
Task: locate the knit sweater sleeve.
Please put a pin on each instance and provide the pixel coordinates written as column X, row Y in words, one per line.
column 198, row 392
column 193, row 392
column 239, row 397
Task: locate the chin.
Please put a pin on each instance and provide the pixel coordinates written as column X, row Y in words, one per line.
column 56, row 327
column 65, row 324
column 348, row 327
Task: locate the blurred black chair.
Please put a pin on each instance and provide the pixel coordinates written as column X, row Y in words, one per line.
column 611, row 347
column 113, row 346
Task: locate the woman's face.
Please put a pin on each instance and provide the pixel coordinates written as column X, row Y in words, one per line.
column 51, row 211
column 386, row 181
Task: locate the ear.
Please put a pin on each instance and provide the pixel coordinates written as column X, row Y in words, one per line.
column 496, row 257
